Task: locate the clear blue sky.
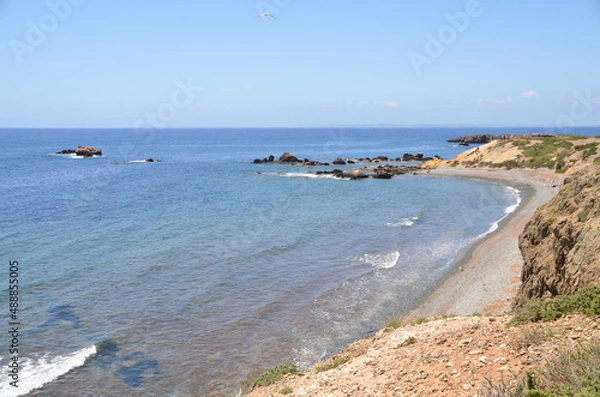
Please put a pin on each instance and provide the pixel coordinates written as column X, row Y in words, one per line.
column 115, row 63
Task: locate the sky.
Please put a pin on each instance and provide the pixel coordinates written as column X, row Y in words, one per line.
column 307, row 63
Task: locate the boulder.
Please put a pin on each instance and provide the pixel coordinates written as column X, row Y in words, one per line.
column 87, row 151
column 265, row 160
column 82, row 151
column 356, row 174
column 288, row 157
column 339, row 161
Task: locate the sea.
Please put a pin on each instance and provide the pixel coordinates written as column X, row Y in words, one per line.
column 192, row 275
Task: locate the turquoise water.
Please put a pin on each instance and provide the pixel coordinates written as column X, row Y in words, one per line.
column 191, row 275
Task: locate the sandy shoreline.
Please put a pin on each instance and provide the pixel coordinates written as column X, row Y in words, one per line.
column 491, row 267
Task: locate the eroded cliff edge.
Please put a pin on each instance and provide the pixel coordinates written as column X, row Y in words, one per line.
column 561, row 243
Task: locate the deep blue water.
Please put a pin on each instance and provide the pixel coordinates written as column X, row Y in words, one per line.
column 188, row 276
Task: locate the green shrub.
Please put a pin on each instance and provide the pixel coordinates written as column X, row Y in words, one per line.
column 394, row 323
column 521, row 142
column 334, row 364
column 589, row 149
column 286, row 390
column 586, row 301
column 274, row 375
column 575, row 373
column 542, row 153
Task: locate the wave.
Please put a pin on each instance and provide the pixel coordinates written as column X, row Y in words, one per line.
column 34, row 373
column 381, row 261
column 70, row 155
column 404, row 222
column 307, row 175
column 514, row 193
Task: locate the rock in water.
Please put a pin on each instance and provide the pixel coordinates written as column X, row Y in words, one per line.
column 478, row 138
column 288, row 157
column 82, row 151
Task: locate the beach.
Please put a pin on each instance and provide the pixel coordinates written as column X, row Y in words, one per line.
column 487, row 275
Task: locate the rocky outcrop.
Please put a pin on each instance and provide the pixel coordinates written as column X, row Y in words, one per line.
column 387, row 171
column 478, row 138
column 82, row 151
column 561, row 243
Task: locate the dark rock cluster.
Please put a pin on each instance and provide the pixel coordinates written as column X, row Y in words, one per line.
column 382, row 171
column 289, row 158
column 468, row 139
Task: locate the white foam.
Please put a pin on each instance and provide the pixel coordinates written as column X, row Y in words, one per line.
column 404, row 222
column 306, row 175
column 34, row 373
column 70, row 155
column 381, row 261
column 512, row 192
column 137, row 161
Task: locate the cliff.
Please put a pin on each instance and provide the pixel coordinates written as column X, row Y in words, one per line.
column 561, row 243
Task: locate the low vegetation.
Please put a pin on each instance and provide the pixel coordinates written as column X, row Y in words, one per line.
column 559, row 152
column 574, row 373
column 394, row 323
column 409, row 341
column 275, row 374
column 334, row 364
column 585, row 301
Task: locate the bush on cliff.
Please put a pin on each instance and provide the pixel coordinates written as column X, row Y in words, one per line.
column 275, row 374
column 585, row 300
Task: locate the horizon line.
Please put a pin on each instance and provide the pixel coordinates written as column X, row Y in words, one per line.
column 382, row 126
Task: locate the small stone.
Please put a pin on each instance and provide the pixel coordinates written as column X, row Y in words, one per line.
column 466, row 387
column 475, row 352
column 465, row 342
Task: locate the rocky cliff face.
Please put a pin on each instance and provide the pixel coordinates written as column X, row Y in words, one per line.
column 561, row 243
